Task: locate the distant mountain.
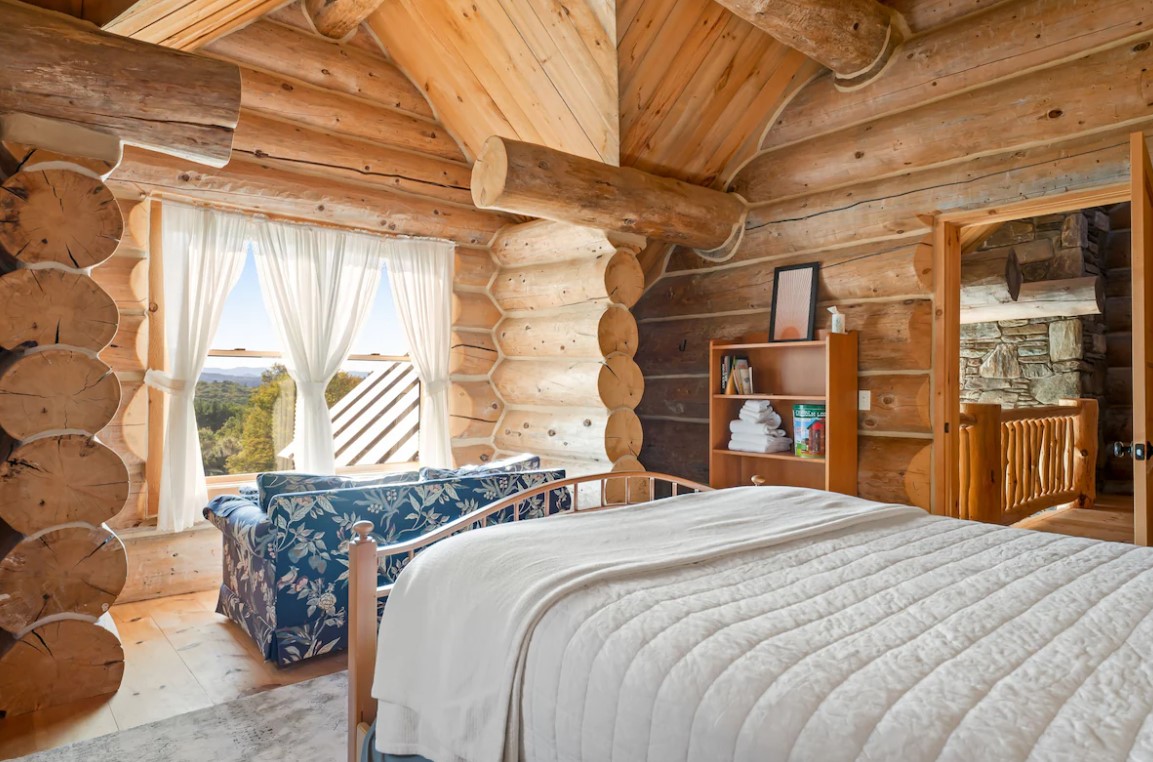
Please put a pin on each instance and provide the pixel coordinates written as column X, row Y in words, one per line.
column 242, row 376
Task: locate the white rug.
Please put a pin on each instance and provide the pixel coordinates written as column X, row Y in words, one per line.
column 304, row 722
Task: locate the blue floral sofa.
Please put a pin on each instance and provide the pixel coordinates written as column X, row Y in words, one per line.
column 286, row 543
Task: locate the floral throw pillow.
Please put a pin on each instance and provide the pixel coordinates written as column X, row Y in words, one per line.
column 510, row 465
column 269, row 485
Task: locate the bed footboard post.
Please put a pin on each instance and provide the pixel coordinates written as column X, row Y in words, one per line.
column 362, row 577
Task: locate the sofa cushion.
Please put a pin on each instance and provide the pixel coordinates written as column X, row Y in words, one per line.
column 271, row 484
column 510, row 465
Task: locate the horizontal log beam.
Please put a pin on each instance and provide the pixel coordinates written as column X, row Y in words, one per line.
column 345, row 114
column 613, row 383
column 1069, row 297
column 542, row 182
column 574, row 432
column 983, row 48
column 259, row 187
column 898, row 207
column 612, row 277
column 342, row 68
column 1058, row 104
column 300, row 148
column 57, row 67
column 590, row 331
column 854, row 38
column 545, row 241
column 338, row 19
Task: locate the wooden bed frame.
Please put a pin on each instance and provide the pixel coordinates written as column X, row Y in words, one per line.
column 364, row 554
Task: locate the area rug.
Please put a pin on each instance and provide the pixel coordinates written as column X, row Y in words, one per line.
column 305, row 722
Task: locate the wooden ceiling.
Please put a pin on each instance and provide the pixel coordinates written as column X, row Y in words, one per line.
column 541, row 72
column 698, row 87
column 681, row 88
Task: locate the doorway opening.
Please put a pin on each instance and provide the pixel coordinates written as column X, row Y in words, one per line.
column 1036, row 384
column 1056, row 359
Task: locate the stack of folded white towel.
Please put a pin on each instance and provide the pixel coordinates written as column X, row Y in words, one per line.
column 758, row 429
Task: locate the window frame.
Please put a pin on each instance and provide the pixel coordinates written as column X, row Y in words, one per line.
column 229, row 484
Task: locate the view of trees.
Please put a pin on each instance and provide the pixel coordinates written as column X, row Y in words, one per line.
column 243, row 427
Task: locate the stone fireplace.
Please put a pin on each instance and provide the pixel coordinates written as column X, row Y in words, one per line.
column 1039, row 361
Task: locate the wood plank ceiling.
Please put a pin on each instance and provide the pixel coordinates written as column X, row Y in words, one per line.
column 698, row 87
column 532, row 70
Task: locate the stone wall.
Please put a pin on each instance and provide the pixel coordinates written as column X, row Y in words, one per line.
column 1030, row 363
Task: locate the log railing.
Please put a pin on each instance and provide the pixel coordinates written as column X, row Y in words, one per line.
column 1017, row 462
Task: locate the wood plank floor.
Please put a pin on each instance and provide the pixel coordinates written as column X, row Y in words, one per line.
column 1110, row 519
column 179, row 656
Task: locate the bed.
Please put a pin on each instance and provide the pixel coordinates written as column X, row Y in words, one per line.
column 760, row 623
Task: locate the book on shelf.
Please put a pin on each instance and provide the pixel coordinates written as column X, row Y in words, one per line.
column 736, row 375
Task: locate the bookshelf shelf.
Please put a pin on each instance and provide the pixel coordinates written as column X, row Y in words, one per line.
column 821, row 372
column 781, row 397
column 770, row 456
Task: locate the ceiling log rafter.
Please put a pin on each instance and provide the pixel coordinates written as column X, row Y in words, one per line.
column 854, row 38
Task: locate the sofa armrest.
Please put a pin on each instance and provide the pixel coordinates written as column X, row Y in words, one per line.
column 242, row 520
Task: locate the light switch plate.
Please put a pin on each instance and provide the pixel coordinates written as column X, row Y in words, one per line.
column 864, row 399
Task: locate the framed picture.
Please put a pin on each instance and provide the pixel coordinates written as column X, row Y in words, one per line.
column 794, row 303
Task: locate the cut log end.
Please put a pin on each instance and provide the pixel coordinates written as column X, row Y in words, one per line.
column 74, row 570
column 42, row 307
column 59, row 662
column 57, row 389
column 490, row 173
column 58, row 216
column 58, row 480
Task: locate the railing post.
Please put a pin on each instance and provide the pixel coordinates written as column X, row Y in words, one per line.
column 1085, row 450
column 362, row 579
column 986, row 469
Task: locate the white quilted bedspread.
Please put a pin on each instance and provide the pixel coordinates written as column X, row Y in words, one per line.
column 890, row 636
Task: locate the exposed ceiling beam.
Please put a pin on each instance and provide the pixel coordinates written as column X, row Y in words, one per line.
column 187, row 24
column 537, row 181
column 854, row 38
column 339, row 19
column 58, row 67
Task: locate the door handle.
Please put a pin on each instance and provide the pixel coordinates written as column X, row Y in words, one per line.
column 1139, row 450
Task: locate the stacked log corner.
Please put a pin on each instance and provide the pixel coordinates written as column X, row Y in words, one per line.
column 474, row 409
column 566, row 373
column 61, row 566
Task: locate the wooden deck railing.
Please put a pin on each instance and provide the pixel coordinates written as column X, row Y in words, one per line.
column 1017, row 462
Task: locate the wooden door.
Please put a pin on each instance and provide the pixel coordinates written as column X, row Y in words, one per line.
column 1142, row 197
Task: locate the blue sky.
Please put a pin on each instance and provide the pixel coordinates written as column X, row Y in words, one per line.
column 245, row 325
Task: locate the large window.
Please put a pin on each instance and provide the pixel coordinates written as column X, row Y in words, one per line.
column 245, row 400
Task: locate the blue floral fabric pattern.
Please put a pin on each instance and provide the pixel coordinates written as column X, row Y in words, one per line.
column 523, row 462
column 286, row 570
column 269, row 485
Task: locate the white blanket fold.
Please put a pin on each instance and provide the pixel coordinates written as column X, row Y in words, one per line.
column 455, row 633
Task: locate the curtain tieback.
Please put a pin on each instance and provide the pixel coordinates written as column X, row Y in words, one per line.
column 316, row 387
column 158, row 379
column 435, row 387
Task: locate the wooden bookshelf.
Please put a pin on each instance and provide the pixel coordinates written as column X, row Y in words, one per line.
column 788, row 373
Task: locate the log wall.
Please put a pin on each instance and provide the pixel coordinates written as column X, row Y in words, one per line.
column 566, row 341
column 61, row 565
column 975, row 114
column 125, row 277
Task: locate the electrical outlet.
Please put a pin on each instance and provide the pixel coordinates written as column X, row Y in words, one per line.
column 864, row 399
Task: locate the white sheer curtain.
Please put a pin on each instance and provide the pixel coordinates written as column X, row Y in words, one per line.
column 420, row 273
column 203, row 257
column 318, row 285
